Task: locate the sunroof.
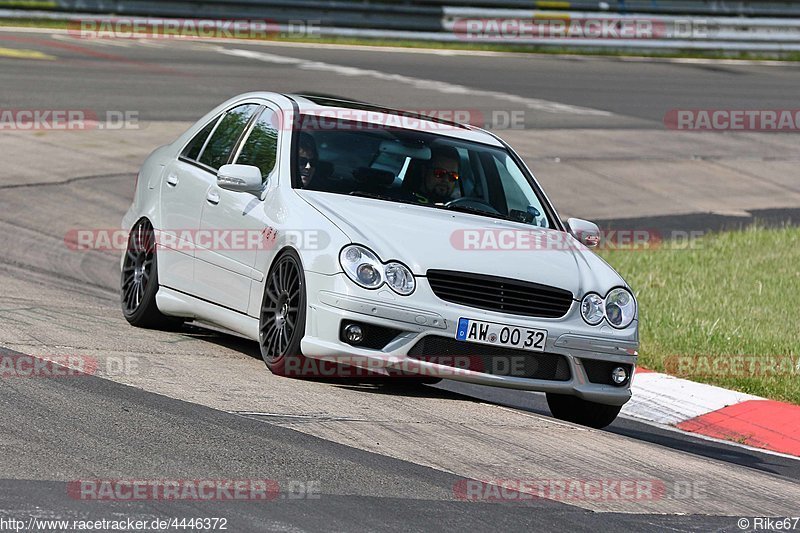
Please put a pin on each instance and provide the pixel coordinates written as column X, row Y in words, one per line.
column 364, row 106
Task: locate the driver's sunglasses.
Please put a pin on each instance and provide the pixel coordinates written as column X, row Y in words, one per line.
column 441, row 173
column 304, row 161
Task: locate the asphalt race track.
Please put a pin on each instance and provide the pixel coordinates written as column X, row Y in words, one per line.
column 199, row 404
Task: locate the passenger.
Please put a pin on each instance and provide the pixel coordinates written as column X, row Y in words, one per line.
column 307, row 158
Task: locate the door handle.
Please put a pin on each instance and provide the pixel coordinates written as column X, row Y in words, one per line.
column 172, row 180
column 212, row 197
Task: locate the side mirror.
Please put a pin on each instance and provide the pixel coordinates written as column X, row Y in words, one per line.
column 239, row 178
column 586, row 232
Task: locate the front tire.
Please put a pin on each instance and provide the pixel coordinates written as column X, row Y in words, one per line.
column 580, row 411
column 282, row 322
column 139, row 281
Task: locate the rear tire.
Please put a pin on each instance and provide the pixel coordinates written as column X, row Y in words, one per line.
column 139, row 281
column 282, row 321
column 580, row 411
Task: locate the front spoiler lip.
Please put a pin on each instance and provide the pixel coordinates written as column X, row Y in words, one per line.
column 577, row 385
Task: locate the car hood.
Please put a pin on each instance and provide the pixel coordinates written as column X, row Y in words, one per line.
column 425, row 238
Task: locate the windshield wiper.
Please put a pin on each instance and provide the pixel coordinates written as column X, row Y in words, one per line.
column 376, row 196
column 461, row 208
column 473, row 211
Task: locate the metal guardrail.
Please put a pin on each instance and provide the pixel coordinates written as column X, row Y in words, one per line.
column 749, row 8
column 351, row 14
column 444, row 23
column 405, row 8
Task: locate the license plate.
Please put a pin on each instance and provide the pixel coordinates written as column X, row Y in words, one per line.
column 501, row 335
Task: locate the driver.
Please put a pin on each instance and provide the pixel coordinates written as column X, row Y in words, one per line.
column 440, row 183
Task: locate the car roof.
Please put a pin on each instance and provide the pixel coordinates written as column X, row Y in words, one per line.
column 335, row 107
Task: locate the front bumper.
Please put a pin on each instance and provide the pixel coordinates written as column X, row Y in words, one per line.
column 334, row 298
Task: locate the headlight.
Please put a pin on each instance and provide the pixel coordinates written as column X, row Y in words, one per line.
column 592, row 309
column 362, row 266
column 399, row 278
column 365, row 268
column 620, row 308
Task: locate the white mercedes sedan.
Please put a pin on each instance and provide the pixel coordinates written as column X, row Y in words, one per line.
column 354, row 240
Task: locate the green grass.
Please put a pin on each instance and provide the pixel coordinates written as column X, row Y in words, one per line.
column 732, row 294
column 477, row 46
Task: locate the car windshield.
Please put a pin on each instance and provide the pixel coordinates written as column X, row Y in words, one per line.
column 410, row 166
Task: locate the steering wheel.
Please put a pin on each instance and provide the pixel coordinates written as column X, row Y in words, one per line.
column 474, row 203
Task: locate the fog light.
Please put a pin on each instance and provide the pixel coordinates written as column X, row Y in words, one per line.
column 354, row 334
column 619, row 375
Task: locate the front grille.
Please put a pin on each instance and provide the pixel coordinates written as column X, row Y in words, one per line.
column 491, row 359
column 600, row 371
column 500, row 294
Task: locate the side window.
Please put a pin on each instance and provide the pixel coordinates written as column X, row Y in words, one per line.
column 519, row 196
column 222, row 142
column 192, row 150
column 515, row 198
column 261, row 148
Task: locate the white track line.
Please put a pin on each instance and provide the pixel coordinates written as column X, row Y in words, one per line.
column 418, row 83
column 121, row 43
